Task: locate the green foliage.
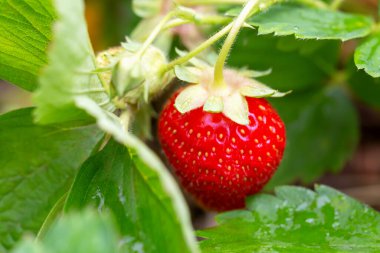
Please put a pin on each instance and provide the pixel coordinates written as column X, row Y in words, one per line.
column 317, row 117
column 322, row 132
column 37, row 165
column 296, row 220
column 69, row 73
column 295, row 64
column 150, row 177
column 367, row 55
column 310, row 23
column 25, row 28
column 116, row 179
column 44, row 46
column 119, row 20
column 78, row 232
column 365, row 87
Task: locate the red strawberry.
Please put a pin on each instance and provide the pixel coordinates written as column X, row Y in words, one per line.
column 218, row 161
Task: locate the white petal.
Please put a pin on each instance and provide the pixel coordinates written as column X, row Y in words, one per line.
column 235, row 107
column 192, row 97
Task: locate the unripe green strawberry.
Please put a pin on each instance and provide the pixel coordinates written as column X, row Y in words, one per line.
column 218, row 161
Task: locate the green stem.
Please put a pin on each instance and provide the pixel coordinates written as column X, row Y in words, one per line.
column 336, row 4
column 237, row 24
column 312, row 3
column 176, row 22
column 212, row 19
column 209, row 2
column 156, row 31
column 199, row 19
column 197, row 50
column 165, row 24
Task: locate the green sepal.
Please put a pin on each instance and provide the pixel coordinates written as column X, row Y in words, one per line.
column 235, row 107
column 259, row 90
column 187, row 74
column 213, row 104
column 255, row 73
column 192, row 97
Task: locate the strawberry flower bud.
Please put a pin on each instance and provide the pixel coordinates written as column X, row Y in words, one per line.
column 135, row 74
column 127, row 75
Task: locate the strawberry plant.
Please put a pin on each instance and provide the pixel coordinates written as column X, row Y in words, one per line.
column 263, row 98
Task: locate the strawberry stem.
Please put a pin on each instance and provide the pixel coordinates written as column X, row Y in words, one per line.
column 197, row 50
column 336, row 4
column 237, row 24
column 209, row 2
column 156, row 31
column 311, row 3
column 199, row 19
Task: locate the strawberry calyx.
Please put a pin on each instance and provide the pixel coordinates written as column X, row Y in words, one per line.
column 229, row 100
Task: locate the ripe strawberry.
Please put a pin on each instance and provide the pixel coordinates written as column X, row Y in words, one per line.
column 217, row 160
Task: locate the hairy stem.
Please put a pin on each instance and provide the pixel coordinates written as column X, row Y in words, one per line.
column 199, row 19
column 312, row 3
column 197, row 50
column 209, row 2
column 336, row 4
column 237, row 24
column 156, row 31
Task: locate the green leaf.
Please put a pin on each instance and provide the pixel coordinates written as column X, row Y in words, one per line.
column 365, row 87
column 116, row 179
column 37, row 165
column 79, row 232
column 303, row 66
column 322, row 132
column 68, row 75
column 296, row 220
column 25, row 28
column 140, row 190
column 310, row 23
column 367, row 55
column 296, row 64
column 115, row 27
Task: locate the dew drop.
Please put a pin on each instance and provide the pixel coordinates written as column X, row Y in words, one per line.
column 99, row 195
